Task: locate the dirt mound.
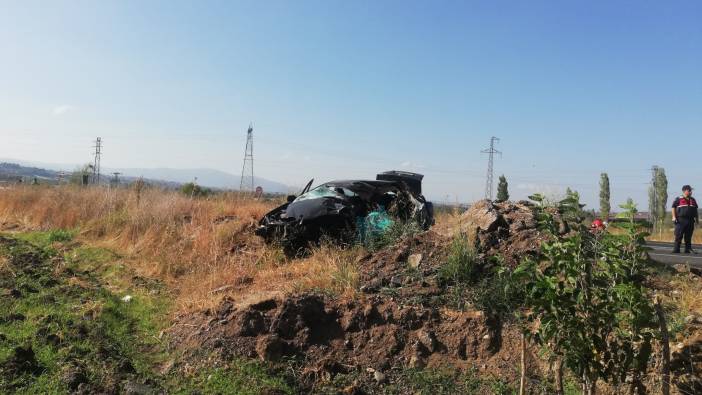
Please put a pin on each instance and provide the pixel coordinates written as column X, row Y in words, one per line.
column 507, row 229
column 406, row 270
column 333, row 337
column 395, row 324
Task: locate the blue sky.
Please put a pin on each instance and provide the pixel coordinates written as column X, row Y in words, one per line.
column 346, row 89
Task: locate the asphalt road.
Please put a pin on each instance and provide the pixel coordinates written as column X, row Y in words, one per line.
column 661, row 252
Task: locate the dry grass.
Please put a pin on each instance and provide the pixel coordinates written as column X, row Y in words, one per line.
column 668, row 234
column 194, row 245
column 449, row 222
column 687, row 296
column 4, row 267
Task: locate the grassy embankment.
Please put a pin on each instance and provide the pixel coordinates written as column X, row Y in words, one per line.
column 76, row 318
column 93, row 246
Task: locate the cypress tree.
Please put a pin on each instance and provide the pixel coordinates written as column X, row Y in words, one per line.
column 605, row 207
column 502, row 192
column 658, row 196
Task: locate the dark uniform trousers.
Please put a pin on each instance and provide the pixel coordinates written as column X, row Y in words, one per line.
column 683, row 230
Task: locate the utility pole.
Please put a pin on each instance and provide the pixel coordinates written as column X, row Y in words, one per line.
column 116, row 179
column 491, row 152
column 96, row 163
column 247, row 170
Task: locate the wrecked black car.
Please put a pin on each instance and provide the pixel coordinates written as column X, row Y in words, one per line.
column 347, row 211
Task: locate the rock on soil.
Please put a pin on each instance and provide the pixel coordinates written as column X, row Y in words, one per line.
column 408, row 268
column 505, row 228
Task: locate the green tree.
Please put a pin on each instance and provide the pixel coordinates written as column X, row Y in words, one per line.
column 80, row 173
column 571, row 206
column 193, row 190
column 502, row 192
column 605, row 207
column 658, row 196
column 585, row 301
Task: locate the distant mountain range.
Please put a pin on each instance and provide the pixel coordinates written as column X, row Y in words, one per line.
column 205, row 177
column 9, row 170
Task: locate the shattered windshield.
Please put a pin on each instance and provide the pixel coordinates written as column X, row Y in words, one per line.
column 323, row 191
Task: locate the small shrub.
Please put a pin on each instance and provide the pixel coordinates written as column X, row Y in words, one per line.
column 193, row 190
column 439, row 381
column 497, row 295
column 60, row 236
column 499, row 387
column 461, row 265
column 397, row 231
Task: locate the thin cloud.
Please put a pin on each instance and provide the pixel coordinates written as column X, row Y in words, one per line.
column 62, row 109
column 411, row 165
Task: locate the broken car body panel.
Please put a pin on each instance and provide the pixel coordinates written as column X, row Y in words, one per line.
column 338, row 208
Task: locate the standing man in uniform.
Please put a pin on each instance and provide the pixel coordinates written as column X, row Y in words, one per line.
column 684, row 216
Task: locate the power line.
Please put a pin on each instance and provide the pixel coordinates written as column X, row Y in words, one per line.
column 248, row 162
column 96, row 162
column 491, row 152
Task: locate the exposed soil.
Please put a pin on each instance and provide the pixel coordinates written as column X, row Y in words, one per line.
column 407, row 271
column 394, row 325
column 330, row 337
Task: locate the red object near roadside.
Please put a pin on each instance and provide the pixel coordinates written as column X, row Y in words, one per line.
column 597, row 224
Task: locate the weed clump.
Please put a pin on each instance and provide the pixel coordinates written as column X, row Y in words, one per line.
column 398, row 230
column 60, row 236
column 462, row 265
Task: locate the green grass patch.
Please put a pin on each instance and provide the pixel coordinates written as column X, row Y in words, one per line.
column 241, row 377
column 71, row 322
column 45, row 239
column 447, row 381
column 461, row 265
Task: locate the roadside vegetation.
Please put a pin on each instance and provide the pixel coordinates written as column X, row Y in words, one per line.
column 92, row 278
